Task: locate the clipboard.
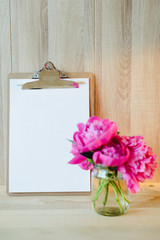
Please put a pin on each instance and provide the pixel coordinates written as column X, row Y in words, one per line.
column 18, row 174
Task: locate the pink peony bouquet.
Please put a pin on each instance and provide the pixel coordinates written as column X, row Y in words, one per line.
column 98, row 143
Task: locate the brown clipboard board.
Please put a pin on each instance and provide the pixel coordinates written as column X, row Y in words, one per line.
column 71, row 75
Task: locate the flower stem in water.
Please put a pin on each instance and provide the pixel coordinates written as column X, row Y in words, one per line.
column 116, row 193
column 106, row 195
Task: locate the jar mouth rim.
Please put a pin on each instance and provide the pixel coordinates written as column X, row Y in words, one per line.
column 100, row 166
column 106, row 170
column 105, row 167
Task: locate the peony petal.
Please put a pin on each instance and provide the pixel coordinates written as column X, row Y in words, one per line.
column 75, row 136
column 110, row 161
column 132, row 183
column 94, row 118
column 106, row 122
column 97, row 143
column 104, row 138
column 81, row 126
column 74, row 149
column 96, row 157
column 77, row 159
column 78, row 138
column 85, row 165
column 83, row 149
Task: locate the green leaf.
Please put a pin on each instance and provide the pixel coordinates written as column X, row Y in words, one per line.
column 87, row 154
column 71, row 141
column 91, row 161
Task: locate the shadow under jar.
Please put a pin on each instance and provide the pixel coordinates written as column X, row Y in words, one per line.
column 110, row 195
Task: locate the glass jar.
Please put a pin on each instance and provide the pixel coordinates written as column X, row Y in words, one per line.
column 110, row 195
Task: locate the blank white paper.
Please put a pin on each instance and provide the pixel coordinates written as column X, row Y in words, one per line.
column 40, row 122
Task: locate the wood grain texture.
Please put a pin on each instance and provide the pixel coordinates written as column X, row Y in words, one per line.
column 145, row 97
column 72, row 217
column 29, row 34
column 57, row 30
column 71, row 34
column 5, row 68
column 113, row 61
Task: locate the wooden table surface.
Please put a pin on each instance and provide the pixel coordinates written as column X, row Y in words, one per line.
column 71, row 217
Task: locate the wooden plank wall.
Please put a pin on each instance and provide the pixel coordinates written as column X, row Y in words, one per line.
column 5, row 68
column 117, row 40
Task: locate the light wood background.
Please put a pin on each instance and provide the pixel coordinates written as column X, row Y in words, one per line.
column 117, row 40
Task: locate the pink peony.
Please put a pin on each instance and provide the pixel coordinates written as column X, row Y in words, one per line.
column 113, row 154
column 91, row 136
column 141, row 163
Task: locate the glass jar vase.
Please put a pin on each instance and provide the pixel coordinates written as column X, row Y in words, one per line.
column 110, row 195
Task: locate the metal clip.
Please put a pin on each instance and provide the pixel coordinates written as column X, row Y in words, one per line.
column 49, row 66
column 49, row 77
